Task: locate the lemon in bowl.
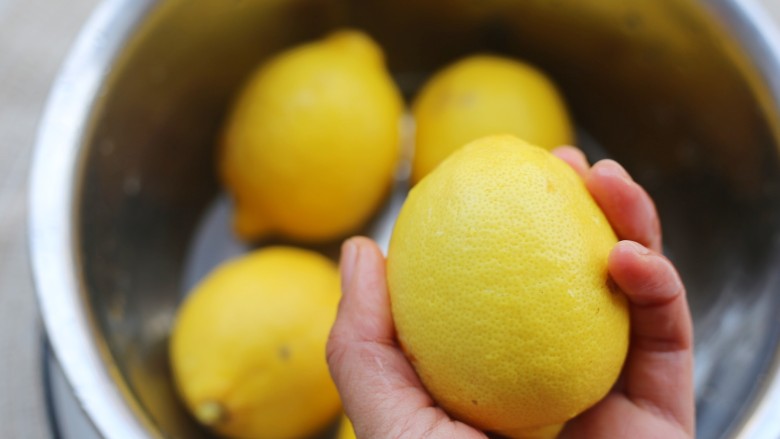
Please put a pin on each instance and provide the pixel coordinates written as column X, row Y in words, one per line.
column 482, row 95
column 311, row 145
column 247, row 348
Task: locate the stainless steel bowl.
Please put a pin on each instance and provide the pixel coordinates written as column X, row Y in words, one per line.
column 126, row 210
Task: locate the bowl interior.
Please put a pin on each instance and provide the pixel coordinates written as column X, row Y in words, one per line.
column 658, row 85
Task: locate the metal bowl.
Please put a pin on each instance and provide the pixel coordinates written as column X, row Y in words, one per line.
column 126, row 211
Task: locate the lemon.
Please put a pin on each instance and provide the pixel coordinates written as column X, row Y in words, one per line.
column 497, row 270
column 345, row 429
column 248, row 346
column 483, row 95
column 310, row 148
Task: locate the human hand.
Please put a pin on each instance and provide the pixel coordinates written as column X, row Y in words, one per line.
column 654, row 396
column 384, row 398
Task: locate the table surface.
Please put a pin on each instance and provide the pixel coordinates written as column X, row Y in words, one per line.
column 35, row 36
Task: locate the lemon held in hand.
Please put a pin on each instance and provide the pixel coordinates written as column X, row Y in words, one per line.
column 497, row 271
column 311, row 146
column 484, row 95
column 248, row 345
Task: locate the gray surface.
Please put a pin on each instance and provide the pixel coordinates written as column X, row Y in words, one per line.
column 34, row 38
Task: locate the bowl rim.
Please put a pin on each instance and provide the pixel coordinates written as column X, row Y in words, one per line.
column 53, row 182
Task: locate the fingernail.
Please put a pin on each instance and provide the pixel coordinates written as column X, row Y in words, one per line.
column 349, row 255
column 636, row 247
column 611, row 168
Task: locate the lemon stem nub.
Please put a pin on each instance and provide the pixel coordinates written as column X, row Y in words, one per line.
column 210, row 413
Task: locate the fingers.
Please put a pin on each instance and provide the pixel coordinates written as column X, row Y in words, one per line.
column 628, row 207
column 574, row 157
column 659, row 368
column 377, row 384
column 658, row 374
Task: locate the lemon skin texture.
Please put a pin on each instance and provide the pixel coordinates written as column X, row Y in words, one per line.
column 310, row 149
column 248, row 346
column 497, row 273
column 484, row 95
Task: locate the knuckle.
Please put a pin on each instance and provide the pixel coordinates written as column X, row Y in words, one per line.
column 335, row 349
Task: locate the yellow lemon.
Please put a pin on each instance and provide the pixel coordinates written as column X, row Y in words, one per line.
column 345, row 429
column 484, row 95
column 310, row 148
column 497, row 270
column 248, row 346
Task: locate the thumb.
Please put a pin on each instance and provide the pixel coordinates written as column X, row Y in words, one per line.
column 377, row 384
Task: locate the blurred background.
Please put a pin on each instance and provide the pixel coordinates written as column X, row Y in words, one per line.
column 35, row 36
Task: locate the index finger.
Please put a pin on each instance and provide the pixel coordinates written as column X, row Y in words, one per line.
column 625, row 203
column 627, row 206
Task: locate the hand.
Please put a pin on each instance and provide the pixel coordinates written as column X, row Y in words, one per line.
column 654, row 396
column 384, row 398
